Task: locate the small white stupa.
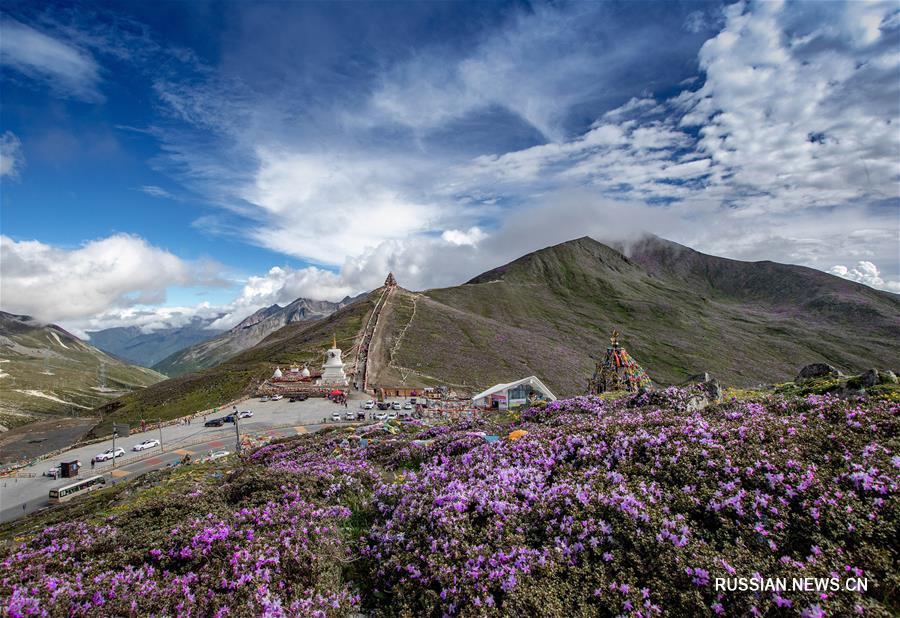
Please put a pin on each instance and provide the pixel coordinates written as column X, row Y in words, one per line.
column 277, row 373
column 305, row 372
column 333, row 369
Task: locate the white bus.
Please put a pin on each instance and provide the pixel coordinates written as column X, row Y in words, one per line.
column 67, row 492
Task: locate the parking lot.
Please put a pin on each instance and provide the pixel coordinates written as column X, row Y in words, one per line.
column 29, row 491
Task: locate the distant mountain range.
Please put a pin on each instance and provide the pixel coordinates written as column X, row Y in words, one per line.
column 550, row 313
column 134, row 345
column 248, row 333
column 44, row 369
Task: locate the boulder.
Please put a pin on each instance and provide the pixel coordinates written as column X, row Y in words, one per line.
column 817, row 370
column 887, row 377
column 869, row 378
column 708, row 385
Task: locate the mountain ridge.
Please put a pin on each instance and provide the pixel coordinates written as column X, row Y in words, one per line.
column 550, row 313
column 135, row 346
column 245, row 334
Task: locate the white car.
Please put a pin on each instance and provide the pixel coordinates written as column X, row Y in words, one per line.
column 392, row 415
column 407, row 406
column 264, row 398
column 335, row 417
column 213, row 455
column 350, row 415
column 245, row 414
column 396, row 405
column 380, row 416
column 107, row 455
column 143, row 446
column 369, row 405
column 277, row 397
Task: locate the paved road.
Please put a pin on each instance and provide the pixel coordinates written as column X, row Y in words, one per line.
column 275, row 418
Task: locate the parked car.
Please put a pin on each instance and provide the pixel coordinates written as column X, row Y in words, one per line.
column 109, row 454
column 213, row 455
column 360, row 416
column 392, row 415
column 407, row 406
column 143, row 446
column 277, row 397
column 264, row 398
column 369, row 405
column 335, row 417
column 245, row 414
column 301, row 397
column 350, row 415
column 214, row 422
column 396, row 405
column 384, row 405
column 380, row 416
column 229, row 418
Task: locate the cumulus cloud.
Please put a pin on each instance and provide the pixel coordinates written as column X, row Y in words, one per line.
column 470, row 237
column 120, row 271
column 324, row 208
column 11, row 158
column 67, row 69
column 867, row 273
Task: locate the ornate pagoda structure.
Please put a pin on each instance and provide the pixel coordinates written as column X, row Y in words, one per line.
column 618, row 371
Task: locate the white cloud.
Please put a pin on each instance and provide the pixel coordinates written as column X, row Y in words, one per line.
column 327, row 208
column 538, row 66
column 55, row 284
column 65, row 68
column 147, row 318
column 11, row 158
column 866, row 273
column 155, row 191
column 470, row 237
column 282, row 285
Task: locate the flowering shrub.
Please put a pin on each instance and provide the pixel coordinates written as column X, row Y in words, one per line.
column 627, row 507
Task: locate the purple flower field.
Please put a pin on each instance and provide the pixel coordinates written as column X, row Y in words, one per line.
column 607, row 508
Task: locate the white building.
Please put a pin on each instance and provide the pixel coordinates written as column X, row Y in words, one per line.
column 333, row 369
column 520, row 392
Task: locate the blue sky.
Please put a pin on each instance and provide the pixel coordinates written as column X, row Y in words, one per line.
column 170, row 159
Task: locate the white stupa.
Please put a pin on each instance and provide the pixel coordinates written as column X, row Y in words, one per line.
column 333, row 369
column 277, row 373
column 305, row 372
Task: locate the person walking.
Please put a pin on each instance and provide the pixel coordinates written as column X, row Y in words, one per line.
column 93, row 461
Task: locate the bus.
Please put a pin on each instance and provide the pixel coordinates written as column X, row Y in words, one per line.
column 67, row 492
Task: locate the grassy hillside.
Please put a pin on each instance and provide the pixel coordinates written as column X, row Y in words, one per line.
column 300, row 342
column 46, row 371
column 550, row 313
